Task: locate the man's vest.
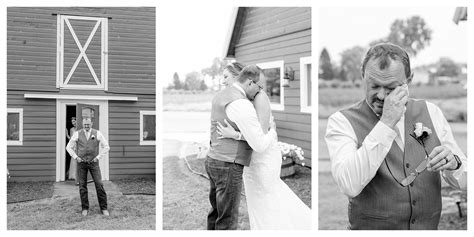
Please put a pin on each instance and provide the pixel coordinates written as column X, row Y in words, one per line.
column 87, row 149
column 383, row 203
column 227, row 149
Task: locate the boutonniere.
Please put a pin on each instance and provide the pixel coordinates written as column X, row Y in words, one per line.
column 420, row 134
column 92, row 137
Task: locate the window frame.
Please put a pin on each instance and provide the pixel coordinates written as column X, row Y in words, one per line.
column 102, row 79
column 142, row 113
column 276, row 64
column 305, row 108
column 20, row 127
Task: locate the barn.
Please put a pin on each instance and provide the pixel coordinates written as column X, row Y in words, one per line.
column 73, row 62
column 278, row 40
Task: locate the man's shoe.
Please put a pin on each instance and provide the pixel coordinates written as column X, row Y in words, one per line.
column 105, row 213
column 84, row 212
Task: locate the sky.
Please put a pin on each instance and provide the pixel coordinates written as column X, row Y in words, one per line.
column 343, row 28
column 193, row 40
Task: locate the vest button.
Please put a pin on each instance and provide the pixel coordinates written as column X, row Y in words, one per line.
column 413, row 221
column 414, row 202
column 412, row 184
column 408, row 165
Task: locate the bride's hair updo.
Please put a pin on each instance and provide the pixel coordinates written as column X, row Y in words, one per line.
column 235, row 68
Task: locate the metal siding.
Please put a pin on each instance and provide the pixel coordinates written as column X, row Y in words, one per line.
column 271, row 34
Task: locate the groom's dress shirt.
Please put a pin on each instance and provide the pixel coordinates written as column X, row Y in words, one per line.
column 103, row 144
column 242, row 112
column 354, row 168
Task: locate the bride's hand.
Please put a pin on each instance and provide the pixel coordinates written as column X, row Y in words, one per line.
column 226, row 132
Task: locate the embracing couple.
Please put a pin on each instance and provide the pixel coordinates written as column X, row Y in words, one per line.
column 244, row 148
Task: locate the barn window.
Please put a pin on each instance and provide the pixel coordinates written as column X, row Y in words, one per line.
column 273, row 85
column 147, row 128
column 82, row 52
column 305, row 84
column 15, row 126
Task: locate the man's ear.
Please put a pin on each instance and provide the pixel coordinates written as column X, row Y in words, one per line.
column 410, row 78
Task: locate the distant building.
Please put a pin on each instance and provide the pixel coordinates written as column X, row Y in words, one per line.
column 278, row 39
column 75, row 62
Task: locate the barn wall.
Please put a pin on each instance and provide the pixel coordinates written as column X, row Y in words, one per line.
column 273, row 34
column 31, row 68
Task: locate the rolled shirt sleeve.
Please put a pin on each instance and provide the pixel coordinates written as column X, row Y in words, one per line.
column 103, row 145
column 353, row 168
column 71, row 146
column 457, row 178
column 242, row 113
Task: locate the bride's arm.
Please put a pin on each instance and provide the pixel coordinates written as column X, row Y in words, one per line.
column 262, row 107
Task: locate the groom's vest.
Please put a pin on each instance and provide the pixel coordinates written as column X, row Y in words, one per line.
column 228, row 150
column 383, row 203
column 87, row 149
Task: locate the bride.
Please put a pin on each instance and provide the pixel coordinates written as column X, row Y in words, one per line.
column 272, row 205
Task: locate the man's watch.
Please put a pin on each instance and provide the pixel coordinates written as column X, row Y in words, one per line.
column 459, row 162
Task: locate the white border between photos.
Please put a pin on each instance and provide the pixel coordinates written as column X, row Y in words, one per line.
column 161, row 62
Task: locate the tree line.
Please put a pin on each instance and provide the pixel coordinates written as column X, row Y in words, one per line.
column 412, row 34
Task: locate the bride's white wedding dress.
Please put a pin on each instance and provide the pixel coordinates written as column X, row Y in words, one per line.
column 272, row 205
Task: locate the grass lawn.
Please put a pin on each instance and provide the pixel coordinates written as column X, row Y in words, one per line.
column 185, row 195
column 137, row 186
column 27, row 191
column 333, row 208
column 131, row 212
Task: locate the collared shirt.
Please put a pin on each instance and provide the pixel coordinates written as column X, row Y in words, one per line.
column 354, row 168
column 242, row 113
column 103, row 144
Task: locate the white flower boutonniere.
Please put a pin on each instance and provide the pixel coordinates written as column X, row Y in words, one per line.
column 420, row 134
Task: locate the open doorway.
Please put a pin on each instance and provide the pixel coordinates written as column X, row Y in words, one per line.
column 70, row 114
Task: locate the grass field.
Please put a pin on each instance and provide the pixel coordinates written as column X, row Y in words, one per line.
column 185, row 195
column 346, row 96
column 451, row 98
column 130, row 212
column 187, row 101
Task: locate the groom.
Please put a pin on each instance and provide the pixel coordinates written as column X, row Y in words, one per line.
column 87, row 146
column 227, row 157
column 374, row 158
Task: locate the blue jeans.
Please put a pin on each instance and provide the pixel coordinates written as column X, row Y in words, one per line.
column 224, row 195
column 94, row 168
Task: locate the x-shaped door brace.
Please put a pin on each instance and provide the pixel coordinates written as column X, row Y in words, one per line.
column 82, row 52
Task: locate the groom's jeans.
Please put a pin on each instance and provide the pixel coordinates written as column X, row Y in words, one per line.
column 93, row 167
column 224, row 195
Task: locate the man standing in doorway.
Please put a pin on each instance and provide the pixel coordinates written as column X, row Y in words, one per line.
column 87, row 146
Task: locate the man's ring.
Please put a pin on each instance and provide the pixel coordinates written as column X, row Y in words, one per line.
column 446, row 159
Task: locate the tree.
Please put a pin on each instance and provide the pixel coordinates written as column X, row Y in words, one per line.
column 411, row 34
column 326, row 71
column 177, row 84
column 203, row 86
column 351, row 62
column 446, row 67
column 192, row 81
column 216, row 69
